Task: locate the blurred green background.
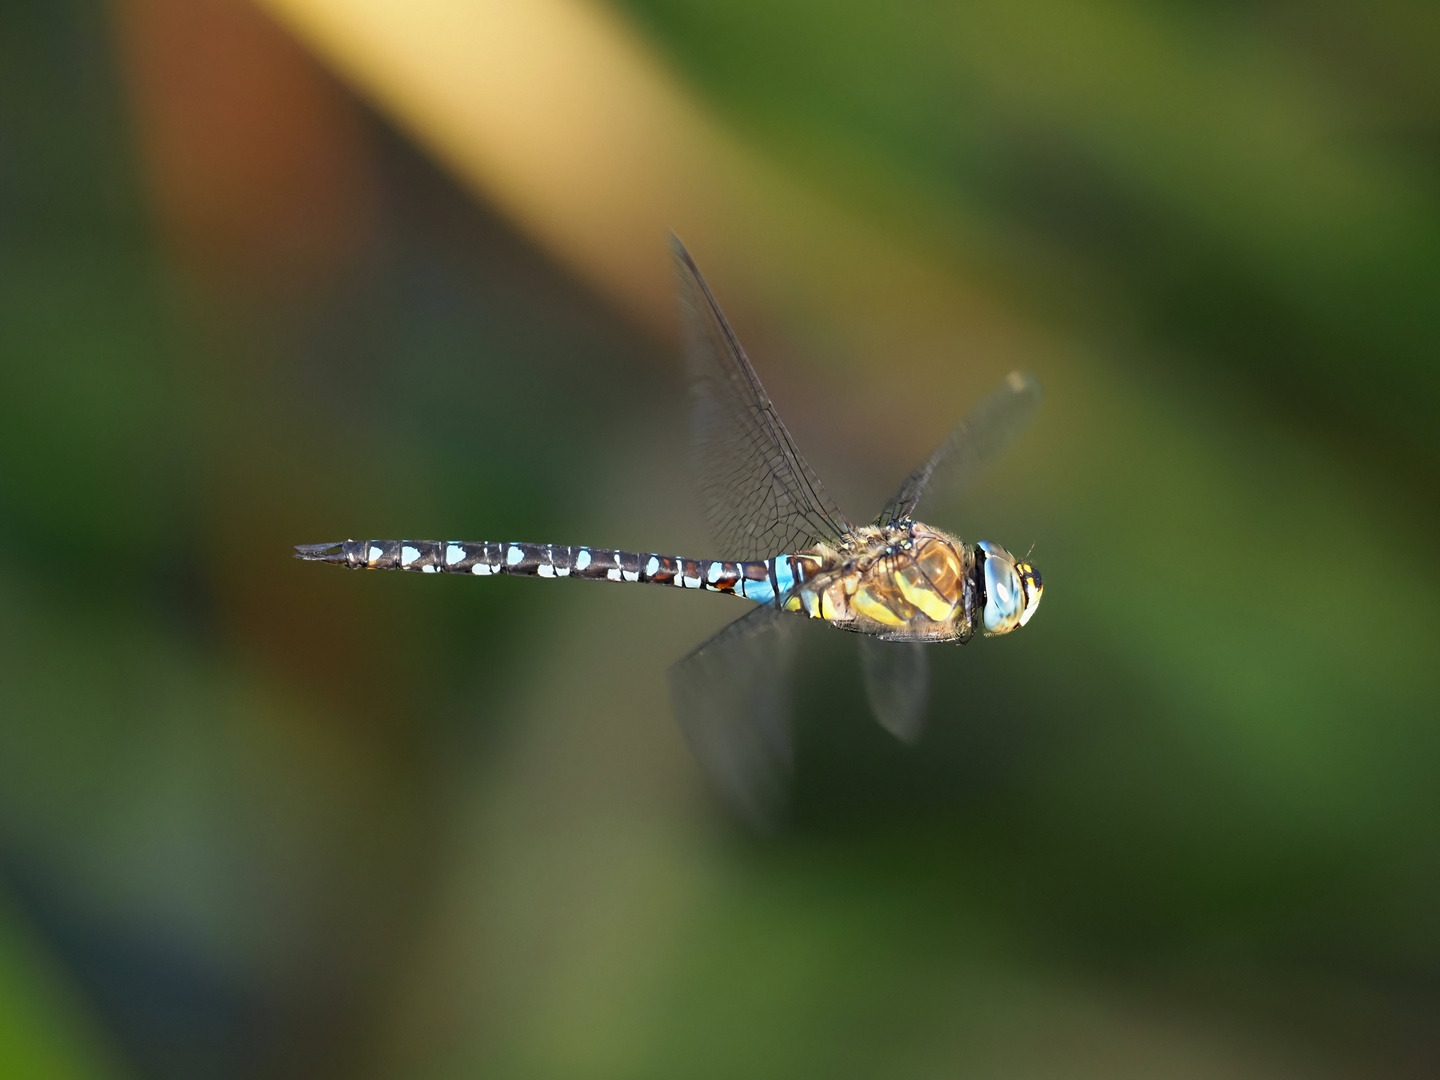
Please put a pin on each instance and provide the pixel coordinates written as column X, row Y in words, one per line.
column 259, row 818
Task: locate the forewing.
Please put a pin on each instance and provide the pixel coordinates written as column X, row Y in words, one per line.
column 897, row 683
column 760, row 496
column 732, row 698
column 977, row 440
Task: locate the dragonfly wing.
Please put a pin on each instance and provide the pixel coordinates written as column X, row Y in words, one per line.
column 977, row 440
column 732, row 698
column 760, row 496
column 897, row 683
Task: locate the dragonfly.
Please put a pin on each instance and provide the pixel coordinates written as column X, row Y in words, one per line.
column 899, row 584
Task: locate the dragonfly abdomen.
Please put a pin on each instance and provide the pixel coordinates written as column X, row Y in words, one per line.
column 761, row 581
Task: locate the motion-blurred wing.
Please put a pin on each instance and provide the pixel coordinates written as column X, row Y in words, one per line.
column 732, row 698
column 760, row 496
column 979, row 439
column 897, row 683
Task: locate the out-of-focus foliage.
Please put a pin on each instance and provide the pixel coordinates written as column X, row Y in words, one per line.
column 263, row 818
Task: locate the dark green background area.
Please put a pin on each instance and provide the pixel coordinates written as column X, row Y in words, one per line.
column 262, row 818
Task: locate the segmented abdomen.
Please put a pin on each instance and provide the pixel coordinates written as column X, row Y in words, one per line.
column 761, row 581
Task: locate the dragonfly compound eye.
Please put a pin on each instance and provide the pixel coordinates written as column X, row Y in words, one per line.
column 1005, row 594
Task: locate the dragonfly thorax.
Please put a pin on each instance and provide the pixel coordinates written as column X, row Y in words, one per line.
column 904, row 580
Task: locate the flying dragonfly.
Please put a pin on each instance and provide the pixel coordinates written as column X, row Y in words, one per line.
column 898, row 583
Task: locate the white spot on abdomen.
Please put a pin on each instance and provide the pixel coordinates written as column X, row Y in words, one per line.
column 583, row 559
column 513, row 556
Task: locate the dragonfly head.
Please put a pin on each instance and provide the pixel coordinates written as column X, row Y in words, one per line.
column 1010, row 588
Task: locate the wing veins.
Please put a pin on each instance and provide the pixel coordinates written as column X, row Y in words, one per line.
column 986, row 432
column 761, row 495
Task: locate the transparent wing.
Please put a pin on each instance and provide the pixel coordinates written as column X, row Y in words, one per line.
column 760, row 496
column 977, row 440
column 897, row 683
column 732, row 698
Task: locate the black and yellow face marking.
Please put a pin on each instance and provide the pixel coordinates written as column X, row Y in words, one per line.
column 1033, row 586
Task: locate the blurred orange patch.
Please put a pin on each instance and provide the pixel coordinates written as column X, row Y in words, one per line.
column 258, row 163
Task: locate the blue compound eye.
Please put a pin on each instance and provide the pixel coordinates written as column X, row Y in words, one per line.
column 1004, row 598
